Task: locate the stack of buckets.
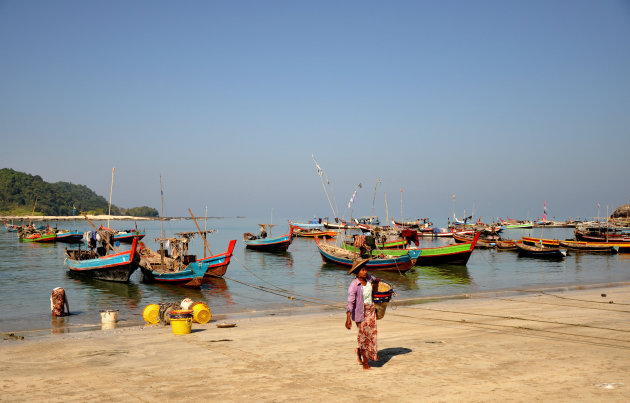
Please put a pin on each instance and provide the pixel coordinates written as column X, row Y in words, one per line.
column 180, row 320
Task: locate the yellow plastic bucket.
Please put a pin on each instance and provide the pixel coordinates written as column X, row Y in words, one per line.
column 151, row 314
column 201, row 312
column 181, row 326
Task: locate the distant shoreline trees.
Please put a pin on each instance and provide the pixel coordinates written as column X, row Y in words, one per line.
column 19, row 191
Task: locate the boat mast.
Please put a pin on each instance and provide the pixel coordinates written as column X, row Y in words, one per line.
column 205, row 229
column 374, row 198
column 162, row 224
column 401, row 213
column 111, row 188
column 386, row 210
column 320, row 172
column 271, row 223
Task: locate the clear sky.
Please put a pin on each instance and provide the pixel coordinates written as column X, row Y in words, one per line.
column 505, row 104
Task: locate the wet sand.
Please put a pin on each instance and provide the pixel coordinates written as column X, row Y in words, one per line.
column 551, row 346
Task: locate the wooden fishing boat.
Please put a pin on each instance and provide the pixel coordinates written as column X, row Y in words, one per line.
column 541, row 251
column 68, row 236
column 111, row 267
column 527, row 240
column 124, row 236
column 591, row 247
column 339, row 224
column 311, row 230
column 342, row 257
column 458, row 253
column 592, row 236
column 489, row 241
column 11, row 227
column 450, row 254
column 507, row 244
column 30, row 234
column 268, row 244
column 176, row 266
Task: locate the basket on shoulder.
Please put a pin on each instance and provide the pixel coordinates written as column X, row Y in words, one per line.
column 381, row 297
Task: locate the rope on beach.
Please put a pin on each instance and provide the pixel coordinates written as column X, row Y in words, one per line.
column 552, row 322
column 274, row 289
column 584, row 300
column 494, row 325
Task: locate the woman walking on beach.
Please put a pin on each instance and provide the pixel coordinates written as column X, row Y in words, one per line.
column 360, row 309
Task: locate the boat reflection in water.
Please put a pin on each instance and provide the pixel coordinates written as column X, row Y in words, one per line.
column 128, row 291
column 445, row 274
column 267, row 260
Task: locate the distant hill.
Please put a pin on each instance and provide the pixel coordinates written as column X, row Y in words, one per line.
column 19, row 190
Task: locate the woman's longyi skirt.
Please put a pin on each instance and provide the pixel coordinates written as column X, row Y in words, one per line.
column 367, row 333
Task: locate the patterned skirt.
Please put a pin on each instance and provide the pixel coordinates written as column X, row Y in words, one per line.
column 367, row 333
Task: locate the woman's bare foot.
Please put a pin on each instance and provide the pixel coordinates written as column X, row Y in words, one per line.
column 358, row 351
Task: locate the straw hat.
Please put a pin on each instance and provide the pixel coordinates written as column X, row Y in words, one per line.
column 357, row 264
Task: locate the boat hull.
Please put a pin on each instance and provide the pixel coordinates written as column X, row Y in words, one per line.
column 277, row 244
column 195, row 273
column 397, row 264
column 117, row 267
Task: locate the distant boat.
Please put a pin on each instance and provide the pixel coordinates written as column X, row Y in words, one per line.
column 125, row 236
column 31, row 234
column 488, row 241
column 68, row 236
column 311, row 230
column 591, row 247
column 11, row 227
column 265, row 243
column 112, row 267
column 540, row 251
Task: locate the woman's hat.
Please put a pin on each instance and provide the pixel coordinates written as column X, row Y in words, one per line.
column 357, row 265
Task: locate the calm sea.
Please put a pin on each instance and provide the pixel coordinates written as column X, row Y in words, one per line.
column 29, row 272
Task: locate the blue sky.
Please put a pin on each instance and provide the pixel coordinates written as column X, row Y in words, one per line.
column 505, row 104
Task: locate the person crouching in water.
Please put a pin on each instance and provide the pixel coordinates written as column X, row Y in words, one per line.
column 360, row 308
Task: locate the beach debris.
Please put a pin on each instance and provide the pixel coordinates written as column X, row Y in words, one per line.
column 59, row 302
column 225, row 325
column 12, row 336
column 434, row 341
column 608, row 385
column 603, row 295
column 186, row 303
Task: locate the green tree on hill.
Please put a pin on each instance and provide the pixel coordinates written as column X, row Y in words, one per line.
column 19, row 191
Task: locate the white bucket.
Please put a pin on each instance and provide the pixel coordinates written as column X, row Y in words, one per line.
column 109, row 316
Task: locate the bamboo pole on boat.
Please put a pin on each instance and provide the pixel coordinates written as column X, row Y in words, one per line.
column 205, row 242
column 111, row 189
column 205, row 229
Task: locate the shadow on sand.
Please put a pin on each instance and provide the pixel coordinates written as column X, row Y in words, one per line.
column 387, row 354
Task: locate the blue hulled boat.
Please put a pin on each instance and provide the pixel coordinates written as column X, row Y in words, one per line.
column 177, row 267
column 265, row 243
column 114, row 267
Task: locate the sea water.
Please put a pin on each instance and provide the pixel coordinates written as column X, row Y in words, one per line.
column 258, row 283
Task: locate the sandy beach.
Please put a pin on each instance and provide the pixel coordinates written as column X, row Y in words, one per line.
column 552, row 345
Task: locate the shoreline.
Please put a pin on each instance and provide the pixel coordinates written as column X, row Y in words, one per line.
column 312, row 309
column 568, row 346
